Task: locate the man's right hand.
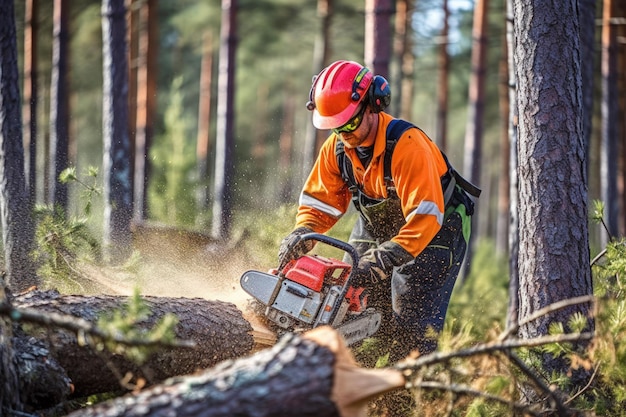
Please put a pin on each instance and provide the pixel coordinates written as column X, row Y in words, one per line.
column 292, row 247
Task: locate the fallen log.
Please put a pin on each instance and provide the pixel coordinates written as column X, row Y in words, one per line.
column 218, row 329
column 43, row 383
column 306, row 375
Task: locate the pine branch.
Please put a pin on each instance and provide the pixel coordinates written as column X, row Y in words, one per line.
column 82, row 328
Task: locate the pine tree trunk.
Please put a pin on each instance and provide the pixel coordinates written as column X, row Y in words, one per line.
column 146, row 104
column 117, row 162
column 378, row 35
column 225, row 137
column 29, row 106
column 15, row 208
column 59, row 104
column 609, row 154
column 554, row 247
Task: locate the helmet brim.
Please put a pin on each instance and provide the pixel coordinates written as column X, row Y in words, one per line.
column 336, row 120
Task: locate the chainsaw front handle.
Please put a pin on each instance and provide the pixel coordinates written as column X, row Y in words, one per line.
column 331, row 241
column 346, row 247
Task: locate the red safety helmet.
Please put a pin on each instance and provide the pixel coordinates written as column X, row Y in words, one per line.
column 337, row 92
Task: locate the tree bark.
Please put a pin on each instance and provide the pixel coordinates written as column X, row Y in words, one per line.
column 18, row 231
column 29, row 107
column 554, row 260
column 610, row 123
column 378, row 35
column 146, row 103
column 59, row 105
column 309, row 375
column 218, row 329
column 225, row 136
column 441, row 135
column 313, row 138
column 116, row 162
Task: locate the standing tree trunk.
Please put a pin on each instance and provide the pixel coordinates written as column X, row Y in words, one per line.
column 116, row 164
column 587, row 22
column 553, row 241
column 132, row 17
column 472, row 158
column 29, row 112
column 502, row 225
column 59, row 105
column 18, row 232
column 225, row 138
column 442, row 92
column 610, row 123
column 407, row 79
column 378, row 35
column 146, row 104
column 513, row 309
column 313, row 138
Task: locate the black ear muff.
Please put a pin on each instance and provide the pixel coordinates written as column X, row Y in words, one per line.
column 379, row 94
column 310, row 105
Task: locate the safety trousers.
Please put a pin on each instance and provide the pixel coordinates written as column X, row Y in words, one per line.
column 414, row 302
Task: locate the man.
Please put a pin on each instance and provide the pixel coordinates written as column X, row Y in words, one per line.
column 411, row 242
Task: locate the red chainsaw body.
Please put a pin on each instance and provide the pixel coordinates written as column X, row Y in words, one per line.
column 313, row 291
column 315, row 271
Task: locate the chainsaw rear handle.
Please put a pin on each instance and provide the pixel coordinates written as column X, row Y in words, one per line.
column 331, row 241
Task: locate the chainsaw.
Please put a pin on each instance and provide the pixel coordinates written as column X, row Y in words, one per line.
column 313, row 291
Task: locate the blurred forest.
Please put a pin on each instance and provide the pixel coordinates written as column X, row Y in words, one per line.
column 275, row 42
column 274, row 55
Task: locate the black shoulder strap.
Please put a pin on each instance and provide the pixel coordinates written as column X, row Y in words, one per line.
column 395, row 129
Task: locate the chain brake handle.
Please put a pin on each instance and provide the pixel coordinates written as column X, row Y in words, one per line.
column 331, row 241
column 339, row 244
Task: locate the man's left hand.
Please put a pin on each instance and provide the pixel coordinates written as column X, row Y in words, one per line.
column 377, row 264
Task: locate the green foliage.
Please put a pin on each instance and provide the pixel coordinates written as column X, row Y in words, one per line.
column 170, row 193
column 482, row 298
column 127, row 323
column 62, row 240
column 609, row 351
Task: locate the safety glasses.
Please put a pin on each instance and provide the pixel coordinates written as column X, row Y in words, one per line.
column 352, row 124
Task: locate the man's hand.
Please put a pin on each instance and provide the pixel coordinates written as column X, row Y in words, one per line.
column 292, row 247
column 376, row 265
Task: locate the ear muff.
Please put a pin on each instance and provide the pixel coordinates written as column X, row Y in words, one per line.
column 310, row 105
column 379, row 94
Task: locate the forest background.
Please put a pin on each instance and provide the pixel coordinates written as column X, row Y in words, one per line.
column 274, row 55
column 275, row 51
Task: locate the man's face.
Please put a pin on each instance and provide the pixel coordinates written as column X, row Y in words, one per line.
column 357, row 129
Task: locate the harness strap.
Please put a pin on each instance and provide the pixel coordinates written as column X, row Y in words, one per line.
column 395, row 130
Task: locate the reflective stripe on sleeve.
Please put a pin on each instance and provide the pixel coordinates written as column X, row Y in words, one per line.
column 307, row 200
column 427, row 207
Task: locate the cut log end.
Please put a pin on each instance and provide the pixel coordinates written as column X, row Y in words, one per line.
column 353, row 386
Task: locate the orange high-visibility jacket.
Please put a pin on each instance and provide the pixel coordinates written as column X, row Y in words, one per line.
column 417, row 166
